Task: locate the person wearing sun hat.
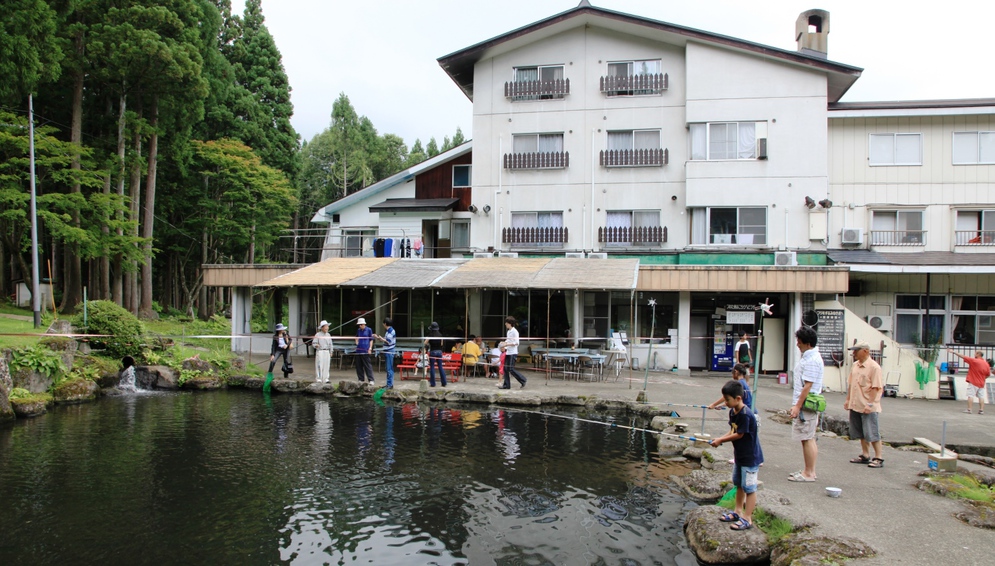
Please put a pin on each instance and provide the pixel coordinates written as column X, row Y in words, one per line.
column 364, row 346
column 434, row 343
column 863, row 401
column 282, row 342
column 322, row 353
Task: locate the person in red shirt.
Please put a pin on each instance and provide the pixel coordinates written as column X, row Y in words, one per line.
column 978, row 371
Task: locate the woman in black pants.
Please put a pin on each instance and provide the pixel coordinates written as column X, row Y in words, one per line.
column 282, row 342
column 434, row 343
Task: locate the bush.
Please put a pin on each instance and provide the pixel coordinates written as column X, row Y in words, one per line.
column 39, row 359
column 125, row 332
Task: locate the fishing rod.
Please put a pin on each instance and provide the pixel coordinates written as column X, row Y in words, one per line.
column 616, row 425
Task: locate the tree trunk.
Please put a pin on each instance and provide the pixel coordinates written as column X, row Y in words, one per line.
column 135, row 192
column 72, row 290
column 118, row 281
column 145, row 310
column 252, row 245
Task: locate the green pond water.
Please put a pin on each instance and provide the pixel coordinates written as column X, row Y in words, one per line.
column 240, row 478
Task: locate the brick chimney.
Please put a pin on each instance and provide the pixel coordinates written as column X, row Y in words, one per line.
column 812, row 33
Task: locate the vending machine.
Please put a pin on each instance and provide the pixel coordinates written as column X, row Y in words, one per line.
column 722, row 346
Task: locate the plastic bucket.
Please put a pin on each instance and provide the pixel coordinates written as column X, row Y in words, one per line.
column 782, row 378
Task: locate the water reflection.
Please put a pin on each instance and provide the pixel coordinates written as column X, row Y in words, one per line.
column 234, row 478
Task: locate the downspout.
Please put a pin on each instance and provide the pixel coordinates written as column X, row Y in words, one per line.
column 593, row 170
column 497, row 236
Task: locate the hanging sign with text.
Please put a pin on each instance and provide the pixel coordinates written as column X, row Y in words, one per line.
column 830, row 331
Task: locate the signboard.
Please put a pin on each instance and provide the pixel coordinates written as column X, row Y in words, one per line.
column 740, row 317
column 830, row 331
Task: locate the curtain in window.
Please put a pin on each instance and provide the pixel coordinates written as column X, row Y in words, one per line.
column 619, row 140
column 526, row 74
column 907, row 148
column 882, row 150
column 550, row 219
column 646, row 219
column 699, row 142
column 722, row 142
column 955, row 304
column 526, row 144
column 986, row 140
column 965, row 147
column 551, row 143
column 646, row 139
column 619, row 219
column 523, row 220
column 747, row 140
column 618, row 69
column 699, row 226
column 552, row 73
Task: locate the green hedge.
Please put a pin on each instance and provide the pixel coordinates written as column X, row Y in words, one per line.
column 125, row 332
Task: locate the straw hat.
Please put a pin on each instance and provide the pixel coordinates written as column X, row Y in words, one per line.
column 280, row 326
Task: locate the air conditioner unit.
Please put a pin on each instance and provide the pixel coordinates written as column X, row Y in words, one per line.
column 878, row 322
column 853, row 237
column 574, row 255
column 507, row 254
column 477, row 255
column 784, row 259
column 597, row 255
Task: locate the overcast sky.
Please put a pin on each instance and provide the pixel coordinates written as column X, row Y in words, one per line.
column 382, row 53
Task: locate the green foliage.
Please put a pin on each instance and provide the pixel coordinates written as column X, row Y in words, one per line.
column 124, row 333
column 774, row 527
column 186, row 375
column 88, row 372
column 153, row 358
column 29, row 50
column 19, row 393
column 38, row 359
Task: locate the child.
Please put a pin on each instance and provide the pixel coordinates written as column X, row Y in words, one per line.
column 739, row 373
column 421, row 366
column 746, row 453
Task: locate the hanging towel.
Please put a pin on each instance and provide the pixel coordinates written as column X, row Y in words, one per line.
column 387, row 245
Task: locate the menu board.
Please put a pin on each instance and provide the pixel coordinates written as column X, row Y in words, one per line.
column 830, row 332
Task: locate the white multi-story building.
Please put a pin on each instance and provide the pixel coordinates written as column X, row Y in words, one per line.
column 728, row 169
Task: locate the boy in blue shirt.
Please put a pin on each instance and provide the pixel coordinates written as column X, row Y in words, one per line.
column 746, row 453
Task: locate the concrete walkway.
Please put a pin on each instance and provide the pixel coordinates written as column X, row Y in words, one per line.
column 879, row 506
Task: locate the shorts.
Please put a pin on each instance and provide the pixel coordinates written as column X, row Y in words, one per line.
column 975, row 392
column 805, row 430
column 864, row 426
column 745, row 477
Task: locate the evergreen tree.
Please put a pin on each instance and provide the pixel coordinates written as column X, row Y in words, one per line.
column 432, row 149
column 416, row 155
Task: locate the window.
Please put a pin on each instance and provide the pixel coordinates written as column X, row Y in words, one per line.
column 553, row 221
column 972, row 148
column 897, row 228
column 910, row 311
column 358, row 242
column 740, row 226
column 975, row 227
column 461, row 176
column 724, row 140
column 624, row 76
column 895, row 149
column 634, row 139
column 973, row 320
column 460, row 234
column 541, row 82
column 538, row 143
column 624, row 227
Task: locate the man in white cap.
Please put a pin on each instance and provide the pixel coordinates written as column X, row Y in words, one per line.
column 364, row 346
column 322, row 353
column 863, row 401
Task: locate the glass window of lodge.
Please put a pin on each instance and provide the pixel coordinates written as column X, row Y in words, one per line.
column 972, row 148
column 544, row 74
column 538, row 143
column 634, row 139
column 461, row 176
column 895, row 149
column 723, row 141
column 729, row 226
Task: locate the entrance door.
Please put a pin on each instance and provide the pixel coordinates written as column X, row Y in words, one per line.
column 698, row 349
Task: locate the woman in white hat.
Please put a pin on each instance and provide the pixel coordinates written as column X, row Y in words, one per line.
column 322, row 353
column 282, row 342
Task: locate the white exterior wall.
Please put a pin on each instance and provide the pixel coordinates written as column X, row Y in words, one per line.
column 724, row 86
column 358, row 217
column 938, row 187
column 705, row 84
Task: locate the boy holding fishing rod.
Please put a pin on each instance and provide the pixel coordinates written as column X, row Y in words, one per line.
column 746, row 453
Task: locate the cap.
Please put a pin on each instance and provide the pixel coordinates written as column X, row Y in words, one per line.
column 280, row 326
column 323, row 323
column 860, row 346
column 361, row 321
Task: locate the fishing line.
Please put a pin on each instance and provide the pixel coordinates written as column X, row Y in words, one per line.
column 615, row 425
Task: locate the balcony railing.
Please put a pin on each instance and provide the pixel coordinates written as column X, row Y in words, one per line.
column 544, row 160
column 975, row 237
column 537, row 90
column 898, row 237
column 534, row 236
column 635, row 157
column 637, row 84
column 638, row 236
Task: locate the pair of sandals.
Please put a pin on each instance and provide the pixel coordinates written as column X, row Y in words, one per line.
column 869, row 462
column 738, row 523
column 800, row 477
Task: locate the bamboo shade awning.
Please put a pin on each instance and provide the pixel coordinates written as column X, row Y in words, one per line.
column 494, row 273
column 576, row 273
column 752, row 278
column 408, row 273
column 329, row 273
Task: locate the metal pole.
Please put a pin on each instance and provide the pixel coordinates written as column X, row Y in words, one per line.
column 704, row 411
column 35, row 292
column 649, row 352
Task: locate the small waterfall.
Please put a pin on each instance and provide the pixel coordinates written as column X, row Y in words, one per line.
column 127, row 382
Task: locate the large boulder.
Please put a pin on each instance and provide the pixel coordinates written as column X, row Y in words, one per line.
column 704, row 486
column 156, row 377
column 33, row 381
column 6, row 386
column 199, row 365
column 713, row 542
column 804, row 548
column 979, row 514
column 76, row 391
column 204, row 383
column 289, row 385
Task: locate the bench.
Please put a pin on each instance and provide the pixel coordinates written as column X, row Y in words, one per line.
column 408, row 365
column 452, row 363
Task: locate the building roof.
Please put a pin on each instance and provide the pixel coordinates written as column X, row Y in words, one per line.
column 940, row 107
column 415, row 205
column 459, row 65
column 867, row 261
column 489, row 273
column 324, row 214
